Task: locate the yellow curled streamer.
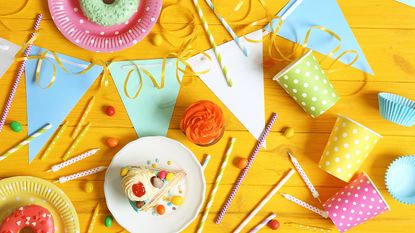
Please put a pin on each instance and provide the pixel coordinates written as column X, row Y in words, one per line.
column 13, row 13
column 173, row 32
column 328, row 31
column 52, row 80
column 241, row 3
column 184, row 53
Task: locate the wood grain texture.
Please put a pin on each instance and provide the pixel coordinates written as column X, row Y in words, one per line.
column 385, row 31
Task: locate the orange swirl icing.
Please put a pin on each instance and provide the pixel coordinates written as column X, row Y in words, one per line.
column 203, row 122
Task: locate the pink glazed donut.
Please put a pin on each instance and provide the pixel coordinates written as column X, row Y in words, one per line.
column 35, row 217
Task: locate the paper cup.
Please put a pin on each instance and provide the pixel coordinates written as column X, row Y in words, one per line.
column 397, row 109
column 356, row 203
column 348, row 146
column 400, row 178
column 306, row 83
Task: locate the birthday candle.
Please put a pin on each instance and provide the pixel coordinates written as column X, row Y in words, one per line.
column 83, row 117
column 304, row 176
column 78, row 175
column 299, row 202
column 76, row 159
column 26, row 141
column 76, row 142
column 93, row 219
column 54, row 140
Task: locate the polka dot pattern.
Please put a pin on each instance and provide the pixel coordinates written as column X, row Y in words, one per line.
column 305, row 81
column 348, row 146
column 356, row 203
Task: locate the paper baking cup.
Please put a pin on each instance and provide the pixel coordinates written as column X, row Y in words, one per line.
column 397, row 109
column 400, row 179
column 348, row 146
column 306, row 83
column 356, row 203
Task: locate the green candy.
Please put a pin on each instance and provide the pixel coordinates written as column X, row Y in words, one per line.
column 108, row 221
column 16, row 126
column 305, row 81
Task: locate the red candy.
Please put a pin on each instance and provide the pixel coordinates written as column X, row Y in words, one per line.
column 110, row 110
column 162, row 175
column 138, row 189
column 274, row 224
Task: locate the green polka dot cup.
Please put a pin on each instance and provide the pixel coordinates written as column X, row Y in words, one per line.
column 304, row 80
column 348, row 146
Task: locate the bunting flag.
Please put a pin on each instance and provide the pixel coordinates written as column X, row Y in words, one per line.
column 52, row 104
column 245, row 99
column 298, row 18
column 8, row 51
column 151, row 110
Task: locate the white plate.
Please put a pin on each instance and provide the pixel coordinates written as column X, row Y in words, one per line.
column 138, row 152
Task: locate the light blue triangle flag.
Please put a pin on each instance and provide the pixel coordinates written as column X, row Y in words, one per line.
column 151, row 112
column 298, row 18
column 53, row 104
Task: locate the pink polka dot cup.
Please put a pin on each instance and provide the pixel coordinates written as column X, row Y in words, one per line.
column 348, row 146
column 356, row 203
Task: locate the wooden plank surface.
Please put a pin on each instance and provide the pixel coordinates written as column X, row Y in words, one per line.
column 385, row 31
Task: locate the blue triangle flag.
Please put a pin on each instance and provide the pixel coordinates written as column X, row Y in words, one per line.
column 326, row 13
column 53, row 104
column 151, row 111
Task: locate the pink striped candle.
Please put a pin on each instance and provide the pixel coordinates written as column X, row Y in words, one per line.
column 251, row 159
column 19, row 74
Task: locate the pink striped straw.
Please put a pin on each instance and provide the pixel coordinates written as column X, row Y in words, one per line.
column 19, row 75
column 251, row 159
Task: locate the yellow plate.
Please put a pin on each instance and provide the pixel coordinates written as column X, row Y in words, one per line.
column 24, row 190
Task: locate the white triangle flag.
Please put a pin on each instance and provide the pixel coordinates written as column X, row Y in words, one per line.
column 245, row 99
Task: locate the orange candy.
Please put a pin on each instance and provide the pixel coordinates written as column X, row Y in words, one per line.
column 203, row 122
column 112, row 142
column 160, row 209
column 241, row 163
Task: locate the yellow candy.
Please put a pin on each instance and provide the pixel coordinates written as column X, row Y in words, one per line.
column 89, row 187
column 288, row 132
column 157, row 40
column 169, row 176
column 124, row 171
column 177, row 200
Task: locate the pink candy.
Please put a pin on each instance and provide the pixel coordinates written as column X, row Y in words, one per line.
column 162, row 175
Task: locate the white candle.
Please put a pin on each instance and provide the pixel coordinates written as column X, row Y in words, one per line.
column 76, row 159
column 299, row 202
column 304, row 176
column 78, row 175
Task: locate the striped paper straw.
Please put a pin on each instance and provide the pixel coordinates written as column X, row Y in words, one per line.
column 228, row 28
column 263, row 223
column 304, row 176
column 206, row 161
column 83, row 117
column 26, row 141
column 76, row 142
column 19, row 74
column 216, row 185
column 251, row 159
column 264, row 201
column 76, row 159
column 54, row 140
column 212, row 42
column 299, row 202
column 94, row 217
column 64, row 179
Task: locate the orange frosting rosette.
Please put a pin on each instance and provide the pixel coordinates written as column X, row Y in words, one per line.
column 203, row 123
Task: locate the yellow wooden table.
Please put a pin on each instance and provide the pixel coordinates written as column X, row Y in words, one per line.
column 385, row 31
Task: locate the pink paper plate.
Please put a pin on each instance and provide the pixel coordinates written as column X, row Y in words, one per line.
column 69, row 19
